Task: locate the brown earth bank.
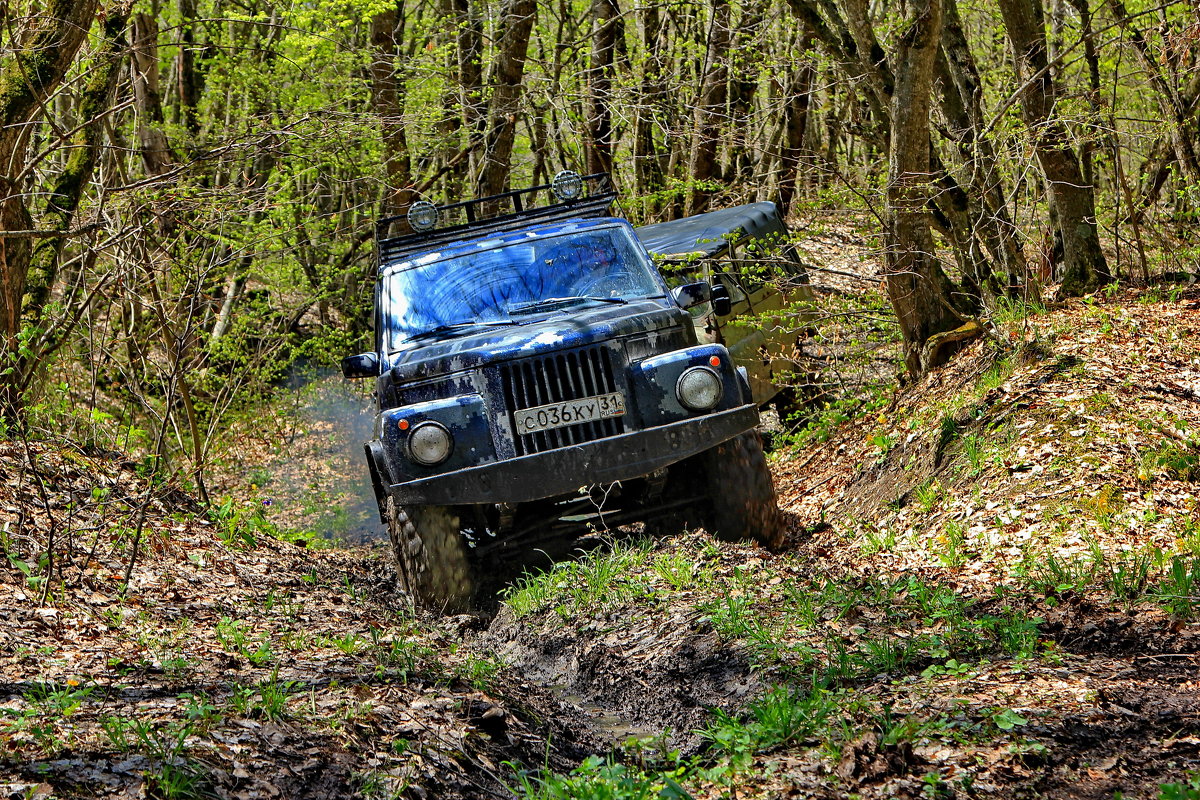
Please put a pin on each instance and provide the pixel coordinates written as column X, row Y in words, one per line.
column 988, row 590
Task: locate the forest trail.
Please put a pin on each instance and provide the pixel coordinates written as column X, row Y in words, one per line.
column 988, row 590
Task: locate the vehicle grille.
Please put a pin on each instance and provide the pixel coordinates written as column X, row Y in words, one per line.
column 554, row 378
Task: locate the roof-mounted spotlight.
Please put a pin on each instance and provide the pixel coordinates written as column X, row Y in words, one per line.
column 422, row 216
column 567, row 185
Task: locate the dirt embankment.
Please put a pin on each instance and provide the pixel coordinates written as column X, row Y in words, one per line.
column 988, row 590
column 994, row 571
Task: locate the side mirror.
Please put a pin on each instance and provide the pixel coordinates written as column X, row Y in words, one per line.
column 722, row 304
column 363, row 365
column 691, row 295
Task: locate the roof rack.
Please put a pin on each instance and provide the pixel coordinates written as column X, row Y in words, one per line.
column 498, row 213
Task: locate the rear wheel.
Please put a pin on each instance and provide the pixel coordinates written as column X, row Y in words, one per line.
column 741, row 493
column 431, row 557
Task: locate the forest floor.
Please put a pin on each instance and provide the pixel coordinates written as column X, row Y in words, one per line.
column 990, row 588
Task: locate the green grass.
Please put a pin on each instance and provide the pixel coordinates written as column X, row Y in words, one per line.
column 598, row 579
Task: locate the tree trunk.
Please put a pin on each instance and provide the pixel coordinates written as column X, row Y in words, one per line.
column 710, row 109
column 41, row 57
column 1172, row 103
column 1074, row 201
column 512, row 49
column 607, row 27
column 919, row 290
column 961, row 103
column 157, row 157
column 185, row 66
column 387, row 95
column 469, row 51
column 68, row 187
column 647, row 160
column 743, row 85
column 798, row 99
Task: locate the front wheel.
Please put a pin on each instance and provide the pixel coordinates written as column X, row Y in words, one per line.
column 431, row 557
column 742, row 493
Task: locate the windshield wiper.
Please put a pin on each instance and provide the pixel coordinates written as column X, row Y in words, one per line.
column 557, row 302
column 457, row 326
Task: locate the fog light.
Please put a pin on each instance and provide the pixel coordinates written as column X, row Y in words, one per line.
column 422, row 216
column 430, row 443
column 567, row 185
column 699, row 388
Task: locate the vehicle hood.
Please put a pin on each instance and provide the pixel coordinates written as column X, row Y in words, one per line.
column 558, row 330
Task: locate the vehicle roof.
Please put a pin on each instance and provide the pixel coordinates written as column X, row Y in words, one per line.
column 713, row 232
column 486, row 242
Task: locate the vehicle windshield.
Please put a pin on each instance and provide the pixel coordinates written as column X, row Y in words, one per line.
column 500, row 284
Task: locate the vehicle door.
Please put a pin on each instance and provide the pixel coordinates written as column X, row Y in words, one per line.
column 774, row 281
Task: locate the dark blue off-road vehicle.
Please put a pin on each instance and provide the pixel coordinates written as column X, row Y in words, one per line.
column 537, row 378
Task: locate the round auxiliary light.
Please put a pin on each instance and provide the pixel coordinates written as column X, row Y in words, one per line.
column 699, row 389
column 422, row 216
column 430, row 443
column 567, row 185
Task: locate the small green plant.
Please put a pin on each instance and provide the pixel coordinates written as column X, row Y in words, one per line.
column 952, row 540
column 928, row 495
column 885, row 655
column 780, row 716
column 876, row 540
column 273, row 698
column 1129, row 577
column 1178, row 460
column 951, row 668
column 973, row 452
column 1187, row 789
column 677, row 569
column 349, row 644
column 883, row 442
column 1053, row 576
column 232, row 634
column 599, row 779
column 1177, row 589
column 1007, row 719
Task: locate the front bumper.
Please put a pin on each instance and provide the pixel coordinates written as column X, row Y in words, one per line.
column 556, row 472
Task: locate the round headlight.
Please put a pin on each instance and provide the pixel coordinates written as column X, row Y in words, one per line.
column 430, row 443
column 699, row 389
column 567, row 185
column 422, row 216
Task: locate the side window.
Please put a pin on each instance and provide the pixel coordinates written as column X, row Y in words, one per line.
column 678, row 271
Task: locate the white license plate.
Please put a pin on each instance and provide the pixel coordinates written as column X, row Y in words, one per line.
column 570, row 412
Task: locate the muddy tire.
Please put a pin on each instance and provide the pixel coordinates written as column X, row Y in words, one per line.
column 742, row 494
column 431, row 557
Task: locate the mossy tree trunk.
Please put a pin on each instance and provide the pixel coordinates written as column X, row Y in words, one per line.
column 921, row 293
column 43, row 53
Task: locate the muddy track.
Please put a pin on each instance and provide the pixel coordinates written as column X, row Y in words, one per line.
column 625, row 679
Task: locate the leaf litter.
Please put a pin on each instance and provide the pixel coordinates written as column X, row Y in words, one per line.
column 988, row 581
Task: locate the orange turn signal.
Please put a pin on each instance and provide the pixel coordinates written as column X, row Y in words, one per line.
column 402, row 424
column 715, row 361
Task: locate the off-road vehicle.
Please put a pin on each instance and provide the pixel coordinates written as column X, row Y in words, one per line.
column 537, row 378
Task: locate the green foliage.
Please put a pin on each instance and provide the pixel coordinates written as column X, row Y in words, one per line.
column 599, row 779
column 1188, row 789
column 599, row 578
column 781, row 716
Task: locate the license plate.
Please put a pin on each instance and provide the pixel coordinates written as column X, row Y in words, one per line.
column 570, row 412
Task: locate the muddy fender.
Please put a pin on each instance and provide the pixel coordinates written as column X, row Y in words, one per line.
column 378, row 469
